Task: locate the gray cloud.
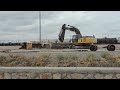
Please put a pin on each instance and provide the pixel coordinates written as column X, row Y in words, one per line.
column 24, row 25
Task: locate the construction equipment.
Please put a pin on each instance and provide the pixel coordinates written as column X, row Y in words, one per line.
column 31, row 45
column 78, row 40
column 86, row 42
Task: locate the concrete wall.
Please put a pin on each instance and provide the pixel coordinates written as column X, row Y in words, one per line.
column 59, row 73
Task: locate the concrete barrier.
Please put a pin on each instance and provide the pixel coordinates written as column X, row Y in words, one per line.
column 59, row 73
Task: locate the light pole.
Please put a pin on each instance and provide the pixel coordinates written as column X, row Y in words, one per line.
column 40, row 24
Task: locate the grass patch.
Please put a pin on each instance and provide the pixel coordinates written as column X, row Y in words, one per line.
column 106, row 55
column 62, row 60
column 74, row 57
column 20, row 60
column 90, row 60
column 67, row 60
column 90, row 57
column 62, row 57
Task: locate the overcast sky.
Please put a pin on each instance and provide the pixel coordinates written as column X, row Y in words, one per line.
column 24, row 25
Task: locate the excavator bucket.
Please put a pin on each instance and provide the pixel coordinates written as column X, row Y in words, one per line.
column 62, row 33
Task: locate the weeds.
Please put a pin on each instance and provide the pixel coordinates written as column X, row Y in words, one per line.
column 106, row 55
column 61, row 60
column 2, row 58
column 90, row 57
column 62, row 57
column 74, row 57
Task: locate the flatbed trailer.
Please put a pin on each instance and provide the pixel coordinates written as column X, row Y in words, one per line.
column 94, row 47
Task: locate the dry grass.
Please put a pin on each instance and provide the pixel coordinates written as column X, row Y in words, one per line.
column 19, row 60
column 106, row 60
column 69, row 60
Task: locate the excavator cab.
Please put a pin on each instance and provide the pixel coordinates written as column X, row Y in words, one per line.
column 75, row 38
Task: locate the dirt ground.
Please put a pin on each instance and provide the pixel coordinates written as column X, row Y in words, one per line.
column 36, row 52
column 55, row 52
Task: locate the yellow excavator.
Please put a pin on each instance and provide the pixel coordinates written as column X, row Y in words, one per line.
column 84, row 42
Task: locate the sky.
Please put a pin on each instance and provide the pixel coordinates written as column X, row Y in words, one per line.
column 24, row 25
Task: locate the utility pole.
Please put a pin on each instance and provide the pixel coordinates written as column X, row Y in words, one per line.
column 40, row 24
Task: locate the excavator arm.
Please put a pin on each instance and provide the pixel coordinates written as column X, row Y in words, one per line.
column 64, row 28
